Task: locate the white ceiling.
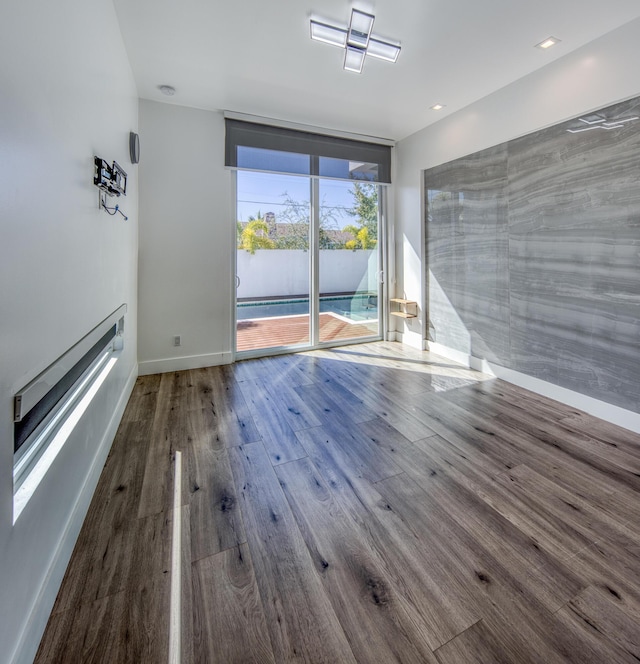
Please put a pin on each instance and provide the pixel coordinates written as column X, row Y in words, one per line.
column 255, row 56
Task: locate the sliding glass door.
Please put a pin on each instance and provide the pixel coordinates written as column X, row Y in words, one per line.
column 348, row 261
column 308, row 262
column 273, row 265
column 308, row 237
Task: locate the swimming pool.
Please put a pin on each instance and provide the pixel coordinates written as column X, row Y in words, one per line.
column 358, row 307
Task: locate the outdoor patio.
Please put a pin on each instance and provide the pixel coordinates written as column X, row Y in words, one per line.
column 292, row 330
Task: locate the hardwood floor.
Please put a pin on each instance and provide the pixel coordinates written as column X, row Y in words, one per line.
column 369, row 504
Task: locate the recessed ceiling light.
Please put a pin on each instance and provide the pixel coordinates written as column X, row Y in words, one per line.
column 167, row 90
column 357, row 40
column 548, row 43
column 437, row 107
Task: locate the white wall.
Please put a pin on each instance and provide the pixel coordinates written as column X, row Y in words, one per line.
column 600, row 73
column 285, row 272
column 186, row 239
column 67, row 93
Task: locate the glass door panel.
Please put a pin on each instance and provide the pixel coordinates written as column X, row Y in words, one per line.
column 348, row 261
column 273, row 242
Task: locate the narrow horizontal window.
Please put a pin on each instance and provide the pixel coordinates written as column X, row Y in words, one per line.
column 259, row 159
column 261, row 147
column 347, row 169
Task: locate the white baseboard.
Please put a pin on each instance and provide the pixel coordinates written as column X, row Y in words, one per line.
column 184, row 363
column 605, row 411
column 410, row 338
column 34, row 627
column 458, row 356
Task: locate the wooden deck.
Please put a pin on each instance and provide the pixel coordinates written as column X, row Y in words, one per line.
column 365, row 505
column 292, row 330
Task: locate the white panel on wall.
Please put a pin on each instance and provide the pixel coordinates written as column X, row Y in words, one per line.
column 64, row 266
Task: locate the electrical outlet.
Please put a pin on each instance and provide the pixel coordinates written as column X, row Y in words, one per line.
column 177, row 340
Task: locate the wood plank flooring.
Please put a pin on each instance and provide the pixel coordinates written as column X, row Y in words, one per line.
column 369, row 504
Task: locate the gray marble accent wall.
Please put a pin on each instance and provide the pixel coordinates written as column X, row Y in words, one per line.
column 533, row 252
column 467, row 230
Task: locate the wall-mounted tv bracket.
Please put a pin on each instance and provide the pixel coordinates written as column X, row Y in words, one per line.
column 111, row 180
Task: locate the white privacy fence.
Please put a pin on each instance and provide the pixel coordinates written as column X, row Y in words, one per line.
column 284, row 272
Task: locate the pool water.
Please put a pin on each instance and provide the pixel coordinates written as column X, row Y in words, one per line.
column 355, row 307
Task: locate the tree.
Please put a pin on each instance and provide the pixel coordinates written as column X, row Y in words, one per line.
column 365, row 209
column 292, row 229
column 296, row 215
column 255, row 235
column 361, row 238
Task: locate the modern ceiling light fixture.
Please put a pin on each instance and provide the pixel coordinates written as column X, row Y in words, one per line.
column 357, row 40
column 437, row 107
column 548, row 43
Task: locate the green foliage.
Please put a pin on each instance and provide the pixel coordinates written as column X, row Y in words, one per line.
column 365, row 209
column 327, row 242
column 255, row 235
column 361, row 238
column 292, row 230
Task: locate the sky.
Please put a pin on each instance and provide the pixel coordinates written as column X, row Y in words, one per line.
column 262, row 192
